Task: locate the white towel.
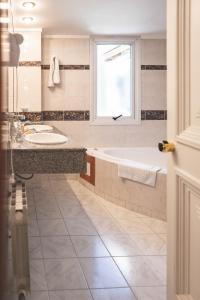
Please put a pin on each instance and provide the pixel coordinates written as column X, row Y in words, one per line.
column 138, row 172
column 54, row 73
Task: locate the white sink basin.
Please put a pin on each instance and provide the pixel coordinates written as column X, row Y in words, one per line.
column 38, row 128
column 46, row 138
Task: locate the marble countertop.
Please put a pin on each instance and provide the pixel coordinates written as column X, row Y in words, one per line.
column 70, row 144
column 29, row 158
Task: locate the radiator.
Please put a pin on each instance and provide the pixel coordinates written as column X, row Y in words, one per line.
column 19, row 238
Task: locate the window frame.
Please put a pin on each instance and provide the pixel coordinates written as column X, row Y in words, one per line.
column 135, row 117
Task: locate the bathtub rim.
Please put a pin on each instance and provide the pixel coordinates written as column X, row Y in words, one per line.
column 97, row 152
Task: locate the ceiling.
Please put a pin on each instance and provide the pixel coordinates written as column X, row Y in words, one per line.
column 84, row 17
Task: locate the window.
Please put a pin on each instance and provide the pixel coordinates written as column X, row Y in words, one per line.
column 115, row 68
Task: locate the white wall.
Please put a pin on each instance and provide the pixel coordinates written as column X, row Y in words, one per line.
column 74, row 94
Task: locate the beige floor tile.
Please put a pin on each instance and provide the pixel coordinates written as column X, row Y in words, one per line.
column 151, row 244
column 89, row 246
column 150, row 293
column 156, row 226
column 136, row 225
column 102, row 273
column 137, row 271
column 70, row 295
column 35, row 250
column 107, row 226
column 52, row 227
column 33, row 229
column 121, row 245
column 72, row 211
column 113, row 294
column 39, row 296
column 62, row 274
column 159, row 265
column 80, row 226
column 57, row 247
column 37, row 275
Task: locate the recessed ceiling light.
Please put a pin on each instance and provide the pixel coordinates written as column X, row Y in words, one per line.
column 4, row 20
column 28, row 4
column 4, row 5
column 27, row 20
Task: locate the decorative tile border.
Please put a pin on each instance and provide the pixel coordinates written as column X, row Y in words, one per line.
column 68, row 67
column 84, row 115
column 68, row 115
column 74, row 115
column 52, row 115
column 153, row 67
column 30, row 63
column 80, row 67
column 154, row 115
column 33, row 116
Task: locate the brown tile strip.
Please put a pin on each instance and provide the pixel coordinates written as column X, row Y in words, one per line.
column 30, row 63
column 68, row 67
column 69, row 115
column 87, row 115
column 33, row 116
column 154, row 115
column 74, row 115
column 84, row 115
column 153, row 67
column 53, row 115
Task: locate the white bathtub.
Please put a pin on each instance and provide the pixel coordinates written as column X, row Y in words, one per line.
column 144, row 155
column 132, row 195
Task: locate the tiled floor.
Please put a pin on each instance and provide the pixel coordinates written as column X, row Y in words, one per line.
column 85, row 248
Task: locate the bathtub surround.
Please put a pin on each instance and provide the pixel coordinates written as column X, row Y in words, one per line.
column 141, row 198
column 134, row 196
column 72, row 98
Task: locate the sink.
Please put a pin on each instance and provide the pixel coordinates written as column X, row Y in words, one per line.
column 38, row 127
column 46, row 138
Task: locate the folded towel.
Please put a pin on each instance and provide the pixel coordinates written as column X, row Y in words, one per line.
column 138, row 172
column 54, row 73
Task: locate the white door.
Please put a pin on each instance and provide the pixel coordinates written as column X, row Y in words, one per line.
column 184, row 164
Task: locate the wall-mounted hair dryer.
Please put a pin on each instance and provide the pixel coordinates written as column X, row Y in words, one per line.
column 16, row 39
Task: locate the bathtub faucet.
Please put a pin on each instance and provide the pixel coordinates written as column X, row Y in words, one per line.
column 116, row 118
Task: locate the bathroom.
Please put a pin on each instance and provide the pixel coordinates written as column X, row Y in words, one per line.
column 96, row 166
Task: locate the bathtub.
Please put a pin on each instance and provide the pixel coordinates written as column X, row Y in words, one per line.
column 143, row 155
column 147, row 200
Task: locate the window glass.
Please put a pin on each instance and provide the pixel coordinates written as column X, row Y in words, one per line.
column 114, row 80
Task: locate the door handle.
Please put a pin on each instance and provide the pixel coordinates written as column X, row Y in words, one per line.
column 165, row 146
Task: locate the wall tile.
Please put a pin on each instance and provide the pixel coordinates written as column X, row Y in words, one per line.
column 74, row 115
column 69, row 51
column 154, row 89
column 153, row 52
column 73, row 94
column 52, row 115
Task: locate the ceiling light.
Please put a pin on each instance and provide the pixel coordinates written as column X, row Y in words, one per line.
column 4, row 20
column 28, row 4
column 4, row 5
column 27, row 20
